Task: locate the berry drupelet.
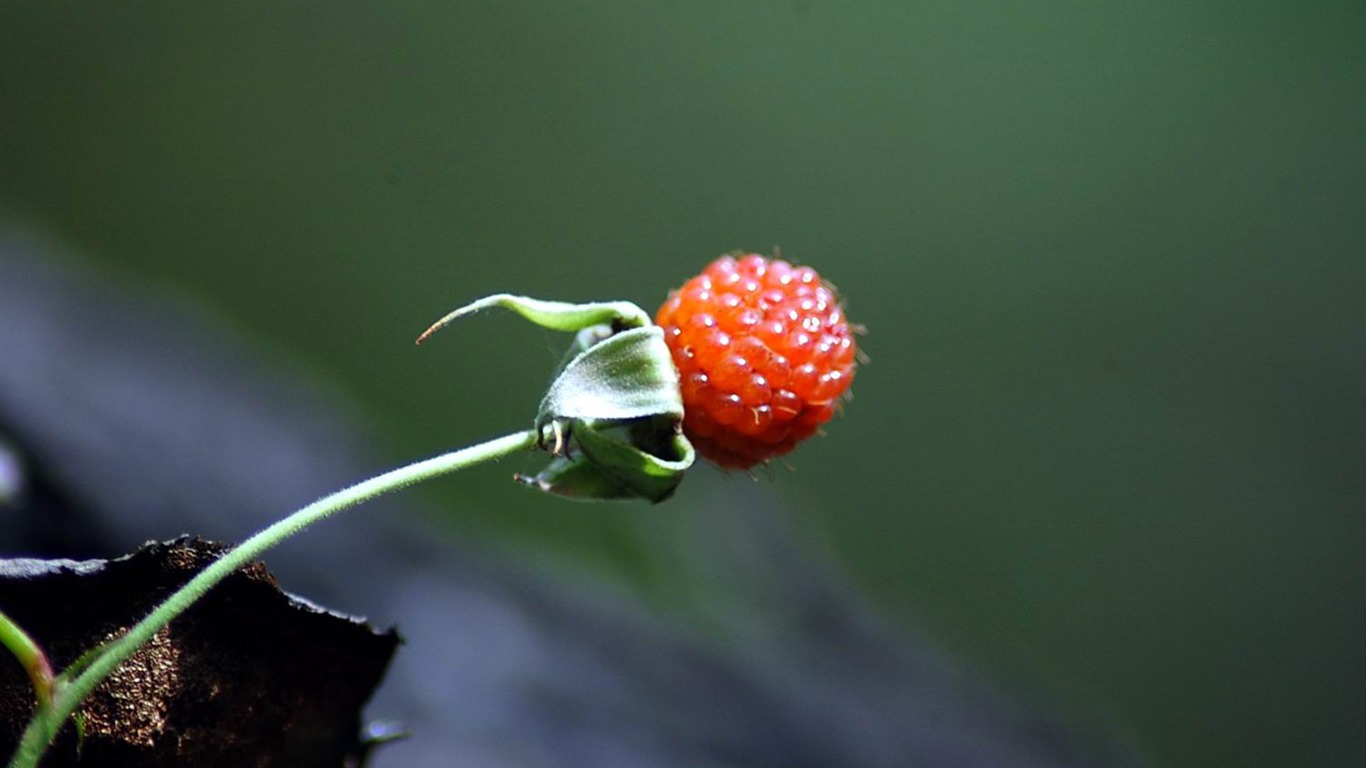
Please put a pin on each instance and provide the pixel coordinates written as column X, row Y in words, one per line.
column 764, row 354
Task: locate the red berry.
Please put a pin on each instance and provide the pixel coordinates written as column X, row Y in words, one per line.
column 764, row 352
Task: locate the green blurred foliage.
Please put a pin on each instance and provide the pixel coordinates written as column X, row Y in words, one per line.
column 1112, row 257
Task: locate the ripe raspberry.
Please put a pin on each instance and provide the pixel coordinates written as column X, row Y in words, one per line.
column 764, row 354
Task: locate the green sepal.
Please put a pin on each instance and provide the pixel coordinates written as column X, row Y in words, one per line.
column 649, row 462
column 629, row 375
column 611, row 418
column 641, row 459
column 575, row 479
column 555, row 315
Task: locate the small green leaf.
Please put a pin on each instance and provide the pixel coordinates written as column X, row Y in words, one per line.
column 576, row 478
column 627, row 376
column 651, row 475
column 555, row 315
column 646, row 458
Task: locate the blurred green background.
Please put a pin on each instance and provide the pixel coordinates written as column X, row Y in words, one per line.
column 1112, row 256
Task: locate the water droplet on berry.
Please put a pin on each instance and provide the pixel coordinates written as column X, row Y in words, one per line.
column 785, row 405
column 844, row 353
column 756, row 390
column 697, row 387
column 799, row 345
column 731, row 373
column 717, row 339
column 726, row 409
column 752, row 264
column 827, row 346
column 697, row 295
column 805, row 379
column 752, row 349
column 772, row 332
column 779, row 274
column 778, row 370
column 832, row 384
column 702, row 320
column 748, row 318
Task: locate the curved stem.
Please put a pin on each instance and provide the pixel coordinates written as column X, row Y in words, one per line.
column 30, row 655
column 45, row 724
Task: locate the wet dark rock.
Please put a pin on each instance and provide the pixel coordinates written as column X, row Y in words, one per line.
column 248, row 676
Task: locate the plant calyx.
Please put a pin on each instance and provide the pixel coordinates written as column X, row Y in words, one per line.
column 611, row 418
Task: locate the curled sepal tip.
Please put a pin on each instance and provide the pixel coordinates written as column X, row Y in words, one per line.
column 555, row 315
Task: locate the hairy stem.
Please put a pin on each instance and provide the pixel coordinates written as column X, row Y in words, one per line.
column 49, row 719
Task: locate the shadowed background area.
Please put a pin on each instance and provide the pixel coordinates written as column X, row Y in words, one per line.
column 1112, row 445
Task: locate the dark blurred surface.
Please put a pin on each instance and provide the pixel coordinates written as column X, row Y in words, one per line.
column 1111, row 256
column 123, row 418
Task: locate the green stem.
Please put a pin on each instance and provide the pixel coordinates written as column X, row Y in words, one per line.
column 30, row 656
column 45, row 724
